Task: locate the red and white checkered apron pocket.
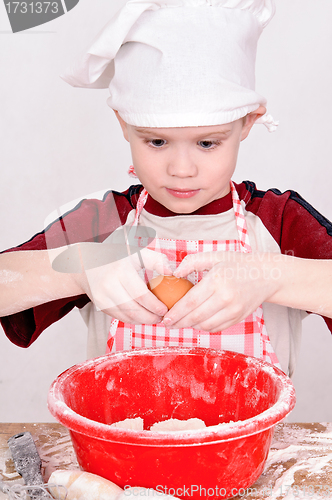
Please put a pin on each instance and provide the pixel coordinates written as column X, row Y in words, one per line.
column 248, row 337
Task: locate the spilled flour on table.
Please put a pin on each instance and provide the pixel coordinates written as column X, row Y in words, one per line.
column 55, row 450
column 299, row 464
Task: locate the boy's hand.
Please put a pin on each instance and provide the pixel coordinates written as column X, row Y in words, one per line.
column 234, row 287
column 117, row 289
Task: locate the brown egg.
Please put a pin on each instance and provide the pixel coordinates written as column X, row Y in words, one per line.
column 169, row 289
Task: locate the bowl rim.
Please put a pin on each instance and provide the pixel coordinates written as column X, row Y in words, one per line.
column 209, row 435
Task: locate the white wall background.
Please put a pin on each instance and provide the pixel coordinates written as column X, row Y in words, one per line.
column 59, row 144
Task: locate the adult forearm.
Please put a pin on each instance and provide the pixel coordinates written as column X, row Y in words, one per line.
column 27, row 280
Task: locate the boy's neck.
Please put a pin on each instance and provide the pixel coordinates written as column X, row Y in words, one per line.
column 214, row 207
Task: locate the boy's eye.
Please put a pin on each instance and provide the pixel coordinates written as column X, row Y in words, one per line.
column 157, row 143
column 207, row 144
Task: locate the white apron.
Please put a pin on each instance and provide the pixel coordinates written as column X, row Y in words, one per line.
column 248, row 337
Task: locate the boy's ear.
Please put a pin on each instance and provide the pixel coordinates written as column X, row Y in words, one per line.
column 250, row 120
column 123, row 125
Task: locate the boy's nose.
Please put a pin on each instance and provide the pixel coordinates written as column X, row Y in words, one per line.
column 182, row 165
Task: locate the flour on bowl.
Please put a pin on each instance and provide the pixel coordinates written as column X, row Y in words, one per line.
column 172, row 424
column 135, row 424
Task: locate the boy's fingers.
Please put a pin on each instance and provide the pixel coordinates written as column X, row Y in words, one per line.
column 134, row 313
column 163, row 269
column 217, row 323
column 207, row 316
column 222, row 318
column 156, row 261
column 202, row 261
column 104, row 300
column 153, row 261
column 138, row 291
column 190, row 302
column 134, row 303
column 151, row 303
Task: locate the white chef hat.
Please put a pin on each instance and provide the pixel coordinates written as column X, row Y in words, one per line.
column 177, row 63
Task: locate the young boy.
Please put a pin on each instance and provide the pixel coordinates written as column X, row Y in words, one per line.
column 181, row 77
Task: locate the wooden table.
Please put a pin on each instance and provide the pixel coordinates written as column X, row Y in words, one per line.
column 299, row 465
column 53, row 444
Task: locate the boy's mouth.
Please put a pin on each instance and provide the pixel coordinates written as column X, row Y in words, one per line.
column 182, row 193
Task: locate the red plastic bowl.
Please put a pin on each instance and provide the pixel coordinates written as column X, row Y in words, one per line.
column 248, row 396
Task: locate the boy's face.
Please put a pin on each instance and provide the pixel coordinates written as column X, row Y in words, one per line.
column 186, row 168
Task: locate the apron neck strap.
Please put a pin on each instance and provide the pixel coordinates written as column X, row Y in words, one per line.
column 240, row 221
column 238, row 211
column 140, row 204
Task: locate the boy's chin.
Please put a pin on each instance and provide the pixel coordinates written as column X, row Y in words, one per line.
column 183, row 207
